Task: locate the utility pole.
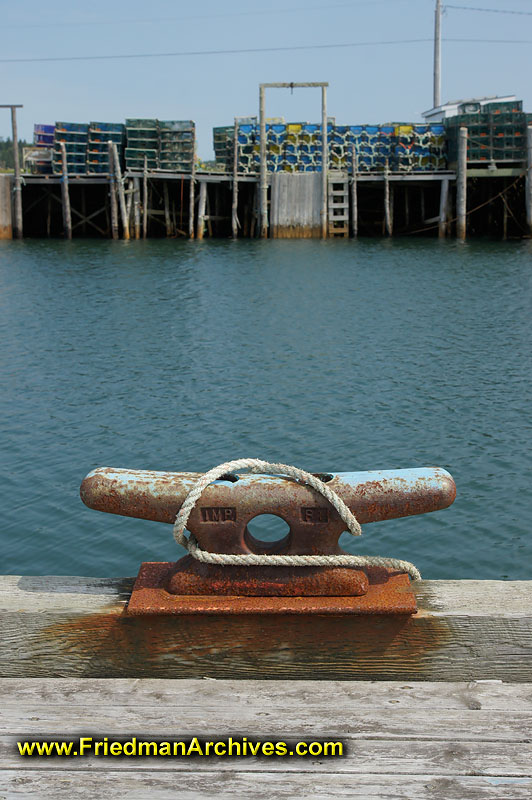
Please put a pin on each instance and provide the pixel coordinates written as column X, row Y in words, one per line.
column 437, row 55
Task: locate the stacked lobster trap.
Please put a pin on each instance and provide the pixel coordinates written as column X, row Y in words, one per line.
column 75, row 136
column 168, row 145
column 297, row 147
column 142, row 144
column 496, row 132
column 100, row 134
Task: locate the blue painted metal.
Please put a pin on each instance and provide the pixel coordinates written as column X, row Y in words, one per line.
column 372, row 496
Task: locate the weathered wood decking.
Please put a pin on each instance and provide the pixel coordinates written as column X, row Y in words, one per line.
column 437, row 706
column 443, row 741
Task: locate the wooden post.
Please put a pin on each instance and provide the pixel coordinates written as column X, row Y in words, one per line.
column 528, row 189
column 192, row 197
column 407, row 207
column 112, row 192
column 6, row 214
column 324, row 163
column 208, row 215
column 83, row 211
column 121, row 195
column 17, row 228
column 129, row 202
column 263, row 184
column 354, row 193
column 167, row 219
column 444, row 198
column 388, row 223
column 234, row 208
column 461, row 186
column 201, row 209
column 422, row 204
column 65, row 196
column 145, row 199
column 136, row 206
column 504, row 214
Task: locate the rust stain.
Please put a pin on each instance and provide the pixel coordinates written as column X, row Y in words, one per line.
column 254, row 646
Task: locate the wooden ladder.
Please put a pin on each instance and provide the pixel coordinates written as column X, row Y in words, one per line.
column 338, row 204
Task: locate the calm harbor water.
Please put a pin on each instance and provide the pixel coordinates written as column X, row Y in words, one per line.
column 330, row 356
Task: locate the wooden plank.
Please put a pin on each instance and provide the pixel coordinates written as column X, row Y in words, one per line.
column 464, row 630
column 420, row 740
column 359, row 711
column 64, row 785
column 296, row 210
column 388, row 757
column 250, row 698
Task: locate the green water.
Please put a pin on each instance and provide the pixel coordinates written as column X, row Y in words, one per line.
column 335, row 355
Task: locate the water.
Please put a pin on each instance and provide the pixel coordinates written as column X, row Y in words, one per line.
column 331, row 356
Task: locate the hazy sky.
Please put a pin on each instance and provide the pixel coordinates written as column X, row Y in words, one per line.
column 368, row 83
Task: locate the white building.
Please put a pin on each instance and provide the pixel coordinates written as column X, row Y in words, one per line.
column 472, row 106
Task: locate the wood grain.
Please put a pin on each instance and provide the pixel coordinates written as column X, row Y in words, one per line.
column 403, row 740
column 464, row 630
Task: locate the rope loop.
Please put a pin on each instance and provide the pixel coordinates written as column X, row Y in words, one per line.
column 256, row 465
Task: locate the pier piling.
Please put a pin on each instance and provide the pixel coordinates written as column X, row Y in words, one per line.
column 201, row 209
column 444, row 201
column 65, row 194
column 461, row 186
column 145, row 199
column 528, row 189
column 6, row 224
column 136, row 206
column 121, row 195
column 234, row 205
column 388, row 222
column 17, row 188
column 324, row 162
column 354, row 193
column 112, row 192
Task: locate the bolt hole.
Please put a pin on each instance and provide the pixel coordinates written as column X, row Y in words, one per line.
column 229, row 477
column 267, row 533
column 324, row 477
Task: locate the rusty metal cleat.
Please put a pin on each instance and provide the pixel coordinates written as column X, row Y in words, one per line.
column 219, row 522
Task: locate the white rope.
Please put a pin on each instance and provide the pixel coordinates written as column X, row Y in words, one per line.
column 251, row 559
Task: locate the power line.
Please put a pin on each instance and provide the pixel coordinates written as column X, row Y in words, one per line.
column 490, row 10
column 290, row 48
column 189, row 18
column 247, row 50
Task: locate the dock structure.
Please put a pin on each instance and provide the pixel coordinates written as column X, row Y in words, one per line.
column 213, row 204
column 434, row 706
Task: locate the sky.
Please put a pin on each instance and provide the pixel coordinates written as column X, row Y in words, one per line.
column 368, row 82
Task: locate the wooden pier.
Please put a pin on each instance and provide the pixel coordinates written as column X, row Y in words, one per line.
column 494, row 200
column 435, row 706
